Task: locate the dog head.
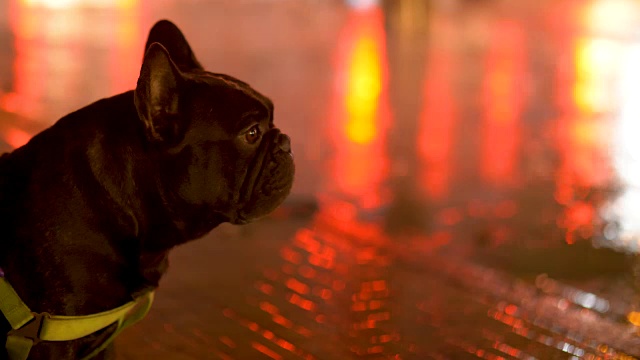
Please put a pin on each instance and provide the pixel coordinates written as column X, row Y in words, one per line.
column 218, row 148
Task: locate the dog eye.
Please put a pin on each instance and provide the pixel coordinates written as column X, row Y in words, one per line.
column 253, row 134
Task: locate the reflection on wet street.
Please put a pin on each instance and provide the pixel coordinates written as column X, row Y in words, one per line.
column 468, row 172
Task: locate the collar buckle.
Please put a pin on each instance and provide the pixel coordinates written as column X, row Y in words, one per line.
column 31, row 330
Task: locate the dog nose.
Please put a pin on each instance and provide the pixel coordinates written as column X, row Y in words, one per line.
column 284, row 143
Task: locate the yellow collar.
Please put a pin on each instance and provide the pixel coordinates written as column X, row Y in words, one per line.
column 28, row 328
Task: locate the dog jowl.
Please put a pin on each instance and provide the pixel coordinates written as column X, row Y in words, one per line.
column 91, row 206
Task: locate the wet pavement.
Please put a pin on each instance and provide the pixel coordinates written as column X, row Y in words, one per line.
column 467, row 173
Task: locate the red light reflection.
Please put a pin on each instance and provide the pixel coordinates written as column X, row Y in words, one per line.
column 266, row 351
column 504, row 91
column 438, row 115
column 16, row 137
column 58, row 44
column 361, row 113
column 126, row 55
column 585, row 94
column 29, row 79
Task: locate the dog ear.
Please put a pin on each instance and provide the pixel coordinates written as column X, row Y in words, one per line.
column 167, row 33
column 157, row 96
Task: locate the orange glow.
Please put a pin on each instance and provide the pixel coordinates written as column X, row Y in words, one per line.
column 285, row 345
column 291, row 255
column 363, row 90
column 344, row 233
column 126, row 55
column 581, row 213
column 379, row 285
column 368, row 233
column 265, row 350
column 264, row 288
column 504, row 91
column 375, row 304
column 307, row 272
column 596, row 61
column 586, row 93
column 301, row 302
column 281, row 320
column 126, row 4
column 359, row 306
column 438, row 116
column 634, row 318
column 385, row 338
column 16, row 137
column 10, row 102
column 303, row 331
column 360, row 111
column 579, row 216
column 29, row 82
column 584, row 133
column 381, row 316
column 70, row 4
column 366, row 255
column 62, row 4
column 304, row 239
column 268, row 307
column 326, row 294
column 268, row 335
column 51, row 39
column 322, row 260
column 511, row 309
column 297, row 286
column 253, row 326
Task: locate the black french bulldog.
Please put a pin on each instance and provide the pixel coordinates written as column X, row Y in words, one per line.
column 91, row 207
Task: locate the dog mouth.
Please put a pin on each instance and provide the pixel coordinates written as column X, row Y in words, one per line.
column 269, row 179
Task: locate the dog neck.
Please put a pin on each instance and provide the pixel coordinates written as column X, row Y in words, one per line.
column 146, row 208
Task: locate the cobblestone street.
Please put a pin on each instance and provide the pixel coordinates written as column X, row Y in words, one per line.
column 308, row 291
column 466, row 173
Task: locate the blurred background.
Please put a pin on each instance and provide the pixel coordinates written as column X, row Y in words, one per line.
column 468, row 172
